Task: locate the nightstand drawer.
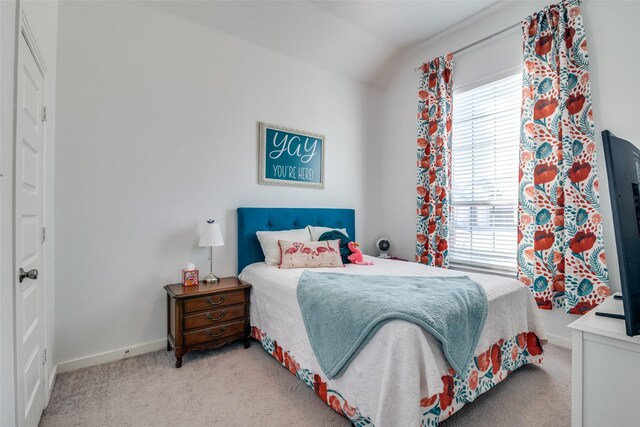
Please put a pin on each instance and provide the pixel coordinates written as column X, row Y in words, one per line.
column 215, row 332
column 213, row 301
column 214, row 317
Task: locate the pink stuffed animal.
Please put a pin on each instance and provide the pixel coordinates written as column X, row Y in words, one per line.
column 356, row 257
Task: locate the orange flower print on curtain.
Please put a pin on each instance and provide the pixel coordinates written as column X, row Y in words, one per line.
column 434, row 161
column 560, row 250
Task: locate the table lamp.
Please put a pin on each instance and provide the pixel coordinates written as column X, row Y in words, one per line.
column 211, row 236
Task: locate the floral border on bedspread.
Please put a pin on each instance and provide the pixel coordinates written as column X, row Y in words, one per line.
column 488, row 369
column 331, row 397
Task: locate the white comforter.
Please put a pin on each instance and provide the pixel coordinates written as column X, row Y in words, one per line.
column 402, row 363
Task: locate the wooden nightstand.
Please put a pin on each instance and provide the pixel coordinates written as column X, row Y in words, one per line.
column 207, row 316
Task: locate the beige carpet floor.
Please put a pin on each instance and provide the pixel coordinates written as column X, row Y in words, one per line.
column 238, row 387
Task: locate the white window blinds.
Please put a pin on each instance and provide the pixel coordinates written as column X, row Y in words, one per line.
column 484, row 197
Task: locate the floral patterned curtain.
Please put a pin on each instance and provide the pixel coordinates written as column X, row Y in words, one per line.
column 434, row 161
column 560, row 250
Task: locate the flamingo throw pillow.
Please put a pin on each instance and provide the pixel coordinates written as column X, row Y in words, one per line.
column 310, row 254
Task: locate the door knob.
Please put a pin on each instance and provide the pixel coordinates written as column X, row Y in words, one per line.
column 31, row 274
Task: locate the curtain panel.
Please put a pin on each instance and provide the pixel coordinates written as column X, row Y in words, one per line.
column 560, row 251
column 434, row 161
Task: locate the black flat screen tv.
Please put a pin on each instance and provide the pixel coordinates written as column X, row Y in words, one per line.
column 623, row 170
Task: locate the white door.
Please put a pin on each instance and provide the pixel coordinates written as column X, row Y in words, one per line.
column 30, row 314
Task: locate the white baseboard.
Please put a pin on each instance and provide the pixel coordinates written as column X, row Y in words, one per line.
column 559, row 341
column 123, row 353
column 110, row 356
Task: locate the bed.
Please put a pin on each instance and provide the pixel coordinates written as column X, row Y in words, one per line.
column 401, row 377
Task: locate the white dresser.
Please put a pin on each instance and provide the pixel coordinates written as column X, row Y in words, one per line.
column 605, row 372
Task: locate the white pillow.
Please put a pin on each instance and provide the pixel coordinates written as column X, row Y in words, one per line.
column 269, row 242
column 316, row 232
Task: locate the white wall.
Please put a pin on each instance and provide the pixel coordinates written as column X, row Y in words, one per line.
column 43, row 18
column 156, row 132
column 611, row 31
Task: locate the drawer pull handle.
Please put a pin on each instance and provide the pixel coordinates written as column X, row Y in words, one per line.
column 212, row 302
column 213, row 319
column 217, row 334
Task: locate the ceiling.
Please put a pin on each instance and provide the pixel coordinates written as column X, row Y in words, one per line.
column 403, row 23
column 357, row 39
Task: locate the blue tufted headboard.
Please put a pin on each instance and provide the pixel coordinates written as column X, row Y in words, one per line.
column 251, row 220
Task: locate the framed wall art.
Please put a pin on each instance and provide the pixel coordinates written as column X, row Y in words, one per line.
column 290, row 157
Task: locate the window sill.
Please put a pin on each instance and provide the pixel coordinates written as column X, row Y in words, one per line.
column 483, row 270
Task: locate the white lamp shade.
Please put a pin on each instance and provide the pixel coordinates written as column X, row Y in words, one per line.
column 211, row 235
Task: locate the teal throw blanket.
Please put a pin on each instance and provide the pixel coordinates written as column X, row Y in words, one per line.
column 342, row 312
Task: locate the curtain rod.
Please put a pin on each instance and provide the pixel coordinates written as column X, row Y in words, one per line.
column 477, row 42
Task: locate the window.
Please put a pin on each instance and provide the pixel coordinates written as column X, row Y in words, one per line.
column 484, row 196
